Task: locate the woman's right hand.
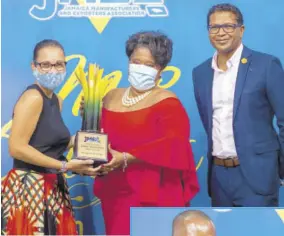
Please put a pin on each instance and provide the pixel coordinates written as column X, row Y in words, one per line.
column 83, row 167
column 82, row 106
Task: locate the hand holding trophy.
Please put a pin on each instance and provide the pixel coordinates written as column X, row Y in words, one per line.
column 90, row 142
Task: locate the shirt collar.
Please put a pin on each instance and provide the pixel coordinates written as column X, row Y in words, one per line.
column 234, row 60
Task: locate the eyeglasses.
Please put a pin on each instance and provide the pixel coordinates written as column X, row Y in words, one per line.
column 47, row 66
column 228, row 28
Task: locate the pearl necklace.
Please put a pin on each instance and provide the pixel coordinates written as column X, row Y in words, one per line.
column 127, row 101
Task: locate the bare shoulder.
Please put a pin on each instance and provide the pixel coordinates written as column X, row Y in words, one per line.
column 30, row 100
column 113, row 94
column 31, row 97
column 162, row 94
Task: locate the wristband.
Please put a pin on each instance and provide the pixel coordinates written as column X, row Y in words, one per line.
column 63, row 167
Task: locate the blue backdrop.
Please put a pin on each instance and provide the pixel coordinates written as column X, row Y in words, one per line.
column 232, row 222
column 95, row 31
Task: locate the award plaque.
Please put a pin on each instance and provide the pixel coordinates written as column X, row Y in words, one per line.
column 90, row 142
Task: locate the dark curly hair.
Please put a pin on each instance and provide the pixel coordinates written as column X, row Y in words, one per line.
column 160, row 46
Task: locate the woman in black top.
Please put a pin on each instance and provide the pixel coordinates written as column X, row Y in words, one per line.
column 35, row 196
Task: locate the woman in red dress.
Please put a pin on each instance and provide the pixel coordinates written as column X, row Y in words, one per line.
column 151, row 160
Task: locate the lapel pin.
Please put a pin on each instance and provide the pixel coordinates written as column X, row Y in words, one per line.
column 244, row 60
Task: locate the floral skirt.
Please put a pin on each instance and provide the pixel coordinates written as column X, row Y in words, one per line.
column 36, row 203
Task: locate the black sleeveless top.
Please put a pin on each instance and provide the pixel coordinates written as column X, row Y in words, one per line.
column 51, row 136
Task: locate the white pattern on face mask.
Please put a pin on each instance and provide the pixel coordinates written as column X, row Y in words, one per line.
column 142, row 77
column 49, row 80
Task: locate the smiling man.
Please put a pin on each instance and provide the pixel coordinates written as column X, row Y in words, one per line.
column 238, row 92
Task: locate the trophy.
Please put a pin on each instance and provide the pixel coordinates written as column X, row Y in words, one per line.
column 90, row 142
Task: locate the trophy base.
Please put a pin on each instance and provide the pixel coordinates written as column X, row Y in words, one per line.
column 96, row 163
column 91, row 145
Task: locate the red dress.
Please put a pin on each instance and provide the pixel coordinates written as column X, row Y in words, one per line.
column 165, row 177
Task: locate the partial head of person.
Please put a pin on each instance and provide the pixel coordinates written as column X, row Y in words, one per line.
column 49, row 65
column 193, row 223
column 225, row 27
column 149, row 53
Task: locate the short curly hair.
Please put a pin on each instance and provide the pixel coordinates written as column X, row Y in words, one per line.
column 160, row 46
column 226, row 7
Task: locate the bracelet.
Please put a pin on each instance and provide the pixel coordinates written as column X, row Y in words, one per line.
column 63, row 167
column 125, row 161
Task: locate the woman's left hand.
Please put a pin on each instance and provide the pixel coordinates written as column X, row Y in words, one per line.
column 116, row 162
